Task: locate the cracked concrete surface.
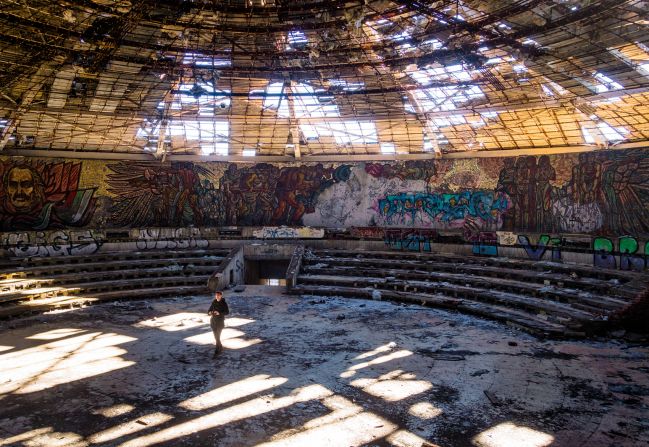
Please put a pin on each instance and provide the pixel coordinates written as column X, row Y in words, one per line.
column 310, row 371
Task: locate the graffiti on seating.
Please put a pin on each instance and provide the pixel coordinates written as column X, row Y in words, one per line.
column 170, row 238
column 367, row 232
column 537, row 250
column 410, row 239
column 630, row 253
column 485, row 244
column 507, row 238
column 55, row 243
column 289, row 233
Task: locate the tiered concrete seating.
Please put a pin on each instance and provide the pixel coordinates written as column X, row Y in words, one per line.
column 42, row 284
column 545, row 298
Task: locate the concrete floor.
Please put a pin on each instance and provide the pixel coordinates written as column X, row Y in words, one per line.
column 310, row 372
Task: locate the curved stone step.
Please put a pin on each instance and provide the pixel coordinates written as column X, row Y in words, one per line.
column 63, row 268
column 66, row 301
column 582, row 300
column 555, row 311
column 105, row 285
column 495, row 272
column 71, row 278
column 523, row 264
column 512, row 317
column 112, row 256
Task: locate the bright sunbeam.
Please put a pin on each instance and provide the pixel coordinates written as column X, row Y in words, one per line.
column 114, row 410
column 55, row 334
column 248, row 409
column 376, row 361
column 128, row 428
column 177, row 322
column 425, row 410
column 508, row 434
column 62, row 361
column 392, row 386
column 231, row 339
column 232, row 391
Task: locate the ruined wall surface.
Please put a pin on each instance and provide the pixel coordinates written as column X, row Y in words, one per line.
column 600, row 194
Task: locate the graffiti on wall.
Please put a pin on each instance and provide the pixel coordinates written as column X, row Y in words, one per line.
column 450, row 208
column 41, row 196
column 55, row 243
column 170, row 238
column 289, row 233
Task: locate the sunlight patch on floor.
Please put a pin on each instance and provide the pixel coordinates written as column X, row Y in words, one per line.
column 62, row 361
column 232, row 391
column 114, row 410
column 249, row 409
column 55, row 334
column 377, row 361
column 176, row 322
column 509, row 434
column 425, row 410
column 230, row 338
column 128, row 428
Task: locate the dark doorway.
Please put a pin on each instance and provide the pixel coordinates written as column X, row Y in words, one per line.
column 270, row 272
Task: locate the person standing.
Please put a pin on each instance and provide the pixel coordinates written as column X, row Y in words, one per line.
column 218, row 310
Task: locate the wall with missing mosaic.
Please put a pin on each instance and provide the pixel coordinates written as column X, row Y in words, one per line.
column 595, row 193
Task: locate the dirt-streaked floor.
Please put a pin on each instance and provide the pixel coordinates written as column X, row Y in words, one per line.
column 310, row 372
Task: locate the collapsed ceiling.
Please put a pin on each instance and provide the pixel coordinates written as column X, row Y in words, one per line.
column 322, row 77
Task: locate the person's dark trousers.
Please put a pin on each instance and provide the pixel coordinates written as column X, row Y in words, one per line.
column 217, row 323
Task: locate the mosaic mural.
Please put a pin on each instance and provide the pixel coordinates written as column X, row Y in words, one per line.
column 603, row 193
column 43, row 195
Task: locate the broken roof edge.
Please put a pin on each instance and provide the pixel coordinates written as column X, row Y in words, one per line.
column 90, row 155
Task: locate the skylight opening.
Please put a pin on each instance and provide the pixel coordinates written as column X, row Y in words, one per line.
column 404, row 35
column 588, row 138
column 644, row 69
column 306, row 101
column 202, row 60
column 341, row 84
column 297, row 38
column 489, row 115
column 434, row 43
column 606, row 84
column 612, row 133
column 447, row 97
column 200, row 97
column 388, row 148
column 547, row 90
column 249, row 152
column 212, row 136
column 343, row 132
column 603, row 133
column 3, row 125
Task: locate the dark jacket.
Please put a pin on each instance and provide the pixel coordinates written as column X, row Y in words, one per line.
column 219, row 306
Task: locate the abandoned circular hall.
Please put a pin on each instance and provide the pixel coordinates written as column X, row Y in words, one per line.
column 356, row 223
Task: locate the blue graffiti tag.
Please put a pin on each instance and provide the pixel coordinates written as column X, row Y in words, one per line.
column 445, row 207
